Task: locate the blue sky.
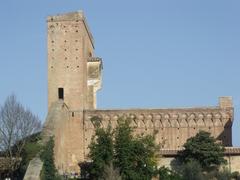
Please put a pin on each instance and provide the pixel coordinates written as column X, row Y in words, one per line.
column 156, row 53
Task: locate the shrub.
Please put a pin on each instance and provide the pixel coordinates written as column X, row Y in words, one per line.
column 49, row 171
column 167, row 174
column 118, row 152
column 203, row 149
column 192, row 170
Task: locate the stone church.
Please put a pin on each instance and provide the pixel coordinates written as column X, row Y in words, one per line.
column 75, row 76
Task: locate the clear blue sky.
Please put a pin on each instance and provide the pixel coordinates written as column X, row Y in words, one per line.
column 157, row 53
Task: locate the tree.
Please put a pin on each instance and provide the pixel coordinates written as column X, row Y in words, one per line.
column 111, row 173
column 101, row 151
column 49, row 171
column 118, row 151
column 192, row 170
column 16, row 124
column 168, row 174
column 204, row 149
column 134, row 156
column 30, row 150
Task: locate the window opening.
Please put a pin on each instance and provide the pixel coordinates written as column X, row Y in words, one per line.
column 61, row 93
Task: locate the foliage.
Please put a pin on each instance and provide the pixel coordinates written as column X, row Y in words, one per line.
column 111, row 173
column 134, row 156
column 236, row 175
column 204, row 149
column 118, row 152
column 49, row 171
column 30, row 150
column 101, row 151
column 223, row 174
column 16, row 125
column 86, row 168
column 167, row 174
column 192, row 170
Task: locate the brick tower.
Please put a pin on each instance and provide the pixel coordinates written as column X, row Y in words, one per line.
column 73, row 74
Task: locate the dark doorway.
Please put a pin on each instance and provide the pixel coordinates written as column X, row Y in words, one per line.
column 61, row 93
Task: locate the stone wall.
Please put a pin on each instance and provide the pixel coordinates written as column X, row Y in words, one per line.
column 173, row 126
column 68, row 151
column 232, row 155
column 233, row 162
column 34, row 169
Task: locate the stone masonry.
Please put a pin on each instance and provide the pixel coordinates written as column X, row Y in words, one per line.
column 74, row 77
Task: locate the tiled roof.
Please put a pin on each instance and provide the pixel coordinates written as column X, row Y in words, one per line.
column 232, row 151
column 173, row 152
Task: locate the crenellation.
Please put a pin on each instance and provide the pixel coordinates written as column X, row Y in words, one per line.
column 174, row 126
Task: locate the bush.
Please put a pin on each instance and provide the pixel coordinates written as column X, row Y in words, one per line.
column 86, row 168
column 167, row 174
column 29, row 151
column 101, row 151
column 203, row 149
column 192, row 170
column 49, row 171
column 134, row 156
column 118, row 152
column 224, row 174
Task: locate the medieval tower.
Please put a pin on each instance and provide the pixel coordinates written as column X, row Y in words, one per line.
column 73, row 73
column 74, row 77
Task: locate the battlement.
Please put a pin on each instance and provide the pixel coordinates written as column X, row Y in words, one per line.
column 173, row 126
column 72, row 16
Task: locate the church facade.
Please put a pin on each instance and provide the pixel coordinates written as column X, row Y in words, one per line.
column 75, row 76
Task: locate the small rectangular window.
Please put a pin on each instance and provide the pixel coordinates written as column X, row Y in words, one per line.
column 61, row 93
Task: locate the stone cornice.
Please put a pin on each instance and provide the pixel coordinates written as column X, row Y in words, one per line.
column 187, row 117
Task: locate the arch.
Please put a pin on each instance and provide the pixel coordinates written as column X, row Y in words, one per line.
column 217, row 120
column 191, row 120
column 149, row 121
column 200, row 120
column 183, row 123
column 174, row 120
column 209, row 120
column 183, row 120
column 141, row 121
column 157, row 120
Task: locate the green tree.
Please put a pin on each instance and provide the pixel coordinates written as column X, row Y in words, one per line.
column 134, row 156
column 118, row 151
column 167, row 174
column 204, row 149
column 191, row 170
column 101, row 151
column 30, row 150
column 49, row 171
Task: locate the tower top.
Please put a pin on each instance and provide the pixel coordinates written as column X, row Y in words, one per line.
column 72, row 16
